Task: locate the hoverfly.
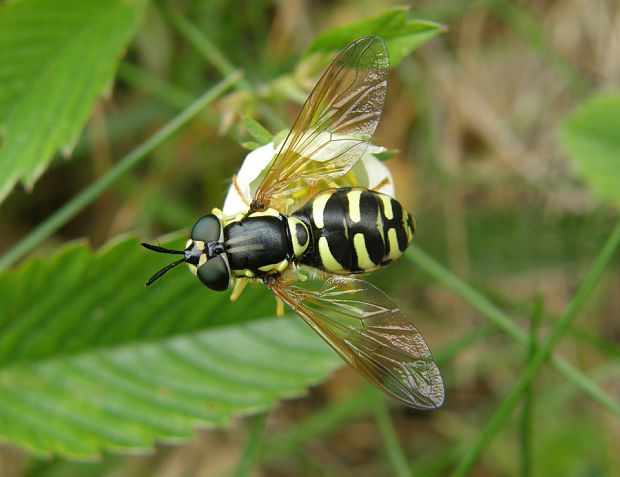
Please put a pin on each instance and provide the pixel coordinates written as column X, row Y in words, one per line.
column 299, row 222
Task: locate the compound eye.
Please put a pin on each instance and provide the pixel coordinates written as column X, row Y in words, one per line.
column 215, row 274
column 207, row 229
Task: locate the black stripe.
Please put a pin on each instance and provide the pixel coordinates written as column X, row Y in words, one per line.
column 401, row 233
column 396, row 223
column 339, row 230
column 301, row 233
column 335, row 228
column 411, row 225
column 369, row 210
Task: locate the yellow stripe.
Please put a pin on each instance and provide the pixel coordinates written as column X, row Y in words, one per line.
column 408, row 229
column 318, row 206
column 328, row 260
column 354, row 205
column 278, row 267
column 363, row 259
column 246, row 272
column 393, row 241
column 265, row 213
column 298, row 248
column 380, row 225
column 387, row 206
column 199, row 244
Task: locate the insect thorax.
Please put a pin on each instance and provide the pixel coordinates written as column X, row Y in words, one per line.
column 263, row 243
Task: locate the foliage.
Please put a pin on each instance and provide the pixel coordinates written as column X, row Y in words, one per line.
column 260, row 135
column 94, row 365
column 590, row 135
column 108, row 365
column 58, row 56
column 401, row 35
column 116, row 368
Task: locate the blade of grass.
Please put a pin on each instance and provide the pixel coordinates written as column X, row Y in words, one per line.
column 214, row 56
column 609, row 348
column 523, row 21
column 608, row 372
column 336, row 414
column 396, row 456
column 527, row 412
column 454, row 348
column 250, row 454
column 467, row 293
column 172, row 95
column 201, row 42
column 529, row 27
column 504, row 323
column 127, row 123
column 578, row 333
column 88, row 195
column 327, row 419
column 541, row 354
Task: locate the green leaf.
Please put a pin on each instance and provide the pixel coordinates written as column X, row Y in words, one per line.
column 92, row 360
column 250, row 145
column 591, row 136
column 257, row 131
column 56, row 58
column 385, row 155
column 400, row 34
column 280, row 136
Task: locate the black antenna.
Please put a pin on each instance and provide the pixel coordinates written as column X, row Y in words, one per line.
column 157, row 248
column 162, row 271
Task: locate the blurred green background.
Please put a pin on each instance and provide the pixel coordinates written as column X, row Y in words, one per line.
column 476, row 116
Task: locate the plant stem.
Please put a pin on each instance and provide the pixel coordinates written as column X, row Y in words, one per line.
column 94, row 190
column 212, row 54
column 172, row 95
column 250, row 454
column 201, row 42
column 390, row 439
column 505, row 323
column 338, row 413
column 527, row 412
column 541, row 354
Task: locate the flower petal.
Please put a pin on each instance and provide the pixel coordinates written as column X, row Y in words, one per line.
column 369, row 172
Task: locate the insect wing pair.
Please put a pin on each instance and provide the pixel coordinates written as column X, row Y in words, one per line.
column 360, row 322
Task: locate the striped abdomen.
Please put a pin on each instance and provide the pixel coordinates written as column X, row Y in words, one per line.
column 355, row 230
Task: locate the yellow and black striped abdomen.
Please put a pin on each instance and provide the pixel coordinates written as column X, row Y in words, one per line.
column 355, row 230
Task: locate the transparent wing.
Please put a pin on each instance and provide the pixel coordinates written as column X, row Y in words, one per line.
column 372, row 334
column 333, row 128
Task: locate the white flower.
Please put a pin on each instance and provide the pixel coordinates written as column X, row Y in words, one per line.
column 369, row 172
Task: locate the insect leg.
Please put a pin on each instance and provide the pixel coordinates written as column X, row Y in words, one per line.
column 238, row 189
column 385, row 181
column 240, row 285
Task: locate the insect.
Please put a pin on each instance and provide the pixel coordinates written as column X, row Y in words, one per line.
column 298, row 222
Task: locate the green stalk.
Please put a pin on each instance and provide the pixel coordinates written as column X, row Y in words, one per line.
column 505, row 323
column 541, row 354
column 396, row 456
column 526, row 24
column 202, row 43
column 90, row 194
column 250, row 454
column 172, row 95
column 527, row 413
column 213, row 55
column 337, row 414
